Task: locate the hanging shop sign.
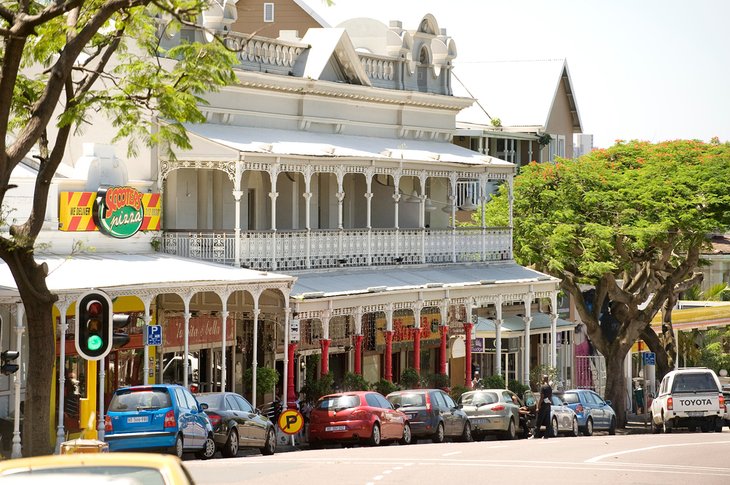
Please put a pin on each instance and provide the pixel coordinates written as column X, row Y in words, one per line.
column 204, row 331
column 118, row 212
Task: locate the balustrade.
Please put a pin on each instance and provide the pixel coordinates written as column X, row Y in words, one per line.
column 331, row 248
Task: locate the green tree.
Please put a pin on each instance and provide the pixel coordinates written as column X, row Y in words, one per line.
column 631, row 221
column 63, row 60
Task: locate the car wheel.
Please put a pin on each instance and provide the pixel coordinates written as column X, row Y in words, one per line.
column 208, row 450
column 438, row 436
column 692, row 429
column 466, row 434
column 588, row 431
column 666, row 425
column 718, row 425
column 179, row 447
column 375, row 436
column 612, row 426
column 511, row 430
column 705, row 427
column 406, row 439
column 269, row 447
column 315, row 444
column 654, row 428
column 555, row 427
column 574, row 431
column 231, row 447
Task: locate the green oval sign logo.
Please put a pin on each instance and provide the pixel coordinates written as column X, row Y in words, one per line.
column 118, row 211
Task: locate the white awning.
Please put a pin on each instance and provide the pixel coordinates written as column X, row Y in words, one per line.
column 352, row 281
column 81, row 272
column 330, row 146
column 515, row 326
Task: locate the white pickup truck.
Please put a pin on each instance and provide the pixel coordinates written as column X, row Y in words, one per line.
column 688, row 398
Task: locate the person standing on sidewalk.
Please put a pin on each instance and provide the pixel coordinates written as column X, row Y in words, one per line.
column 544, row 406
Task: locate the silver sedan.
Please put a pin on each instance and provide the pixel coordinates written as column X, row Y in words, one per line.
column 491, row 411
column 564, row 418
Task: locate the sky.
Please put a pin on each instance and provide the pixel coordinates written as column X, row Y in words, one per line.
column 641, row 69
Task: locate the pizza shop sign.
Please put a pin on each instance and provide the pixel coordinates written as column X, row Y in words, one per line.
column 118, row 211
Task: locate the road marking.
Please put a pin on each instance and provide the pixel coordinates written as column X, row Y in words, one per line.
column 598, row 458
column 452, row 453
column 387, row 472
column 378, row 477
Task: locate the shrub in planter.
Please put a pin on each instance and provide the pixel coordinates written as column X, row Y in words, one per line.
column 457, row 391
column 410, row 379
column 493, row 382
column 384, row 387
column 354, row 382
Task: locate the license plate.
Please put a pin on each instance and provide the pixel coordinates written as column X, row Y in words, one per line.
column 695, row 414
column 335, row 428
column 138, row 419
column 479, row 421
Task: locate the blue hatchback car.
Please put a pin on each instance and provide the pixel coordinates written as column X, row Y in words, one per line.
column 158, row 417
column 592, row 411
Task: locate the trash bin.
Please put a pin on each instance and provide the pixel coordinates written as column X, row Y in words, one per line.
column 83, row 446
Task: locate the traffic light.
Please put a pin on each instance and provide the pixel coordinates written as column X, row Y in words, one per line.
column 93, row 336
column 119, row 322
column 7, row 358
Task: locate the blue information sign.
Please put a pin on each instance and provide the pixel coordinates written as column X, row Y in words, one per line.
column 154, row 335
column 649, row 358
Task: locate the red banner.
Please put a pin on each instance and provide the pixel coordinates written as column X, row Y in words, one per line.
column 205, row 331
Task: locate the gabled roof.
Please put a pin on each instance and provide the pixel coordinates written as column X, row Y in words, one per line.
column 519, row 93
column 315, row 16
column 328, row 45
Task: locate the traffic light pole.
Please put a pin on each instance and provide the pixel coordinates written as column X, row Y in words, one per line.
column 87, row 405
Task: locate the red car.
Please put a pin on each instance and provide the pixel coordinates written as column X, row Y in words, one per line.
column 358, row 416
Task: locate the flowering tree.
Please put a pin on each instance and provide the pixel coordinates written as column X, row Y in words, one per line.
column 631, row 222
column 62, row 61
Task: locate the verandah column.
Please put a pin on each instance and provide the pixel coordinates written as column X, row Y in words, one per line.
column 358, row 340
column 498, row 337
column 417, row 308
column 444, row 330
column 526, row 350
column 388, row 371
column 468, row 326
column 324, row 342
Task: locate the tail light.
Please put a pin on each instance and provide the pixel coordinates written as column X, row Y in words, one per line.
column 170, row 421
column 723, row 404
column 428, row 402
column 215, row 419
column 579, row 409
column 108, row 424
column 498, row 407
column 670, row 403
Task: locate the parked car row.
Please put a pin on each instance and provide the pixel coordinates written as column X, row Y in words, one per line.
column 410, row 415
column 170, row 418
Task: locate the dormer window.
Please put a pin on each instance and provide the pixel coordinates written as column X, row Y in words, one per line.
column 268, row 12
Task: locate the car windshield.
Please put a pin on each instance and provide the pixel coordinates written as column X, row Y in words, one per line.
column 407, row 399
column 338, row 402
column 695, row 381
column 571, row 398
column 138, row 399
column 214, row 401
column 139, row 474
column 478, row 398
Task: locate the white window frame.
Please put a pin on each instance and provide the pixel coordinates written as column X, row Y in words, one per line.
column 267, row 6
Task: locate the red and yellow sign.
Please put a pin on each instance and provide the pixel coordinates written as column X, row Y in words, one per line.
column 291, row 421
column 75, row 211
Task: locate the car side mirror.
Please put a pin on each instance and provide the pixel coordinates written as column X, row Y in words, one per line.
column 203, row 407
column 608, row 402
column 396, row 406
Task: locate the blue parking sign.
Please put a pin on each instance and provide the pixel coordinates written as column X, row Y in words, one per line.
column 649, row 358
column 154, row 335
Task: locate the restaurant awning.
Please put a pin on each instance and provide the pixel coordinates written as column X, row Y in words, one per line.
column 514, row 326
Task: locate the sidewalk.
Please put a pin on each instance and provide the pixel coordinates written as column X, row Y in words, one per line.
column 636, row 424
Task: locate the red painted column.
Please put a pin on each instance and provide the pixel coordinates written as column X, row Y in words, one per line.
column 358, row 354
column 389, row 356
column 417, row 350
column 467, row 365
column 444, row 329
column 291, row 394
column 325, row 344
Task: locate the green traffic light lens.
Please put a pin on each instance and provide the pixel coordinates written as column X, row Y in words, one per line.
column 94, row 342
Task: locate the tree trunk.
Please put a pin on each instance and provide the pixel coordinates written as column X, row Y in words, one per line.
column 616, row 384
column 38, row 303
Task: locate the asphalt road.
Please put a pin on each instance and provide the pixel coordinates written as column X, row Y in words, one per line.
column 678, row 458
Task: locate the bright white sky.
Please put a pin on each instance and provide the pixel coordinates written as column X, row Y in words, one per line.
column 641, row 69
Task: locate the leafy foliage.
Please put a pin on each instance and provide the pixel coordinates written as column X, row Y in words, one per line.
column 313, row 389
column 457, row 391
column 517, row 387
column 266, row 379
column 437, row 381
column 409, row 378
column 354, row 382
column 492, row 382
column 384, row 387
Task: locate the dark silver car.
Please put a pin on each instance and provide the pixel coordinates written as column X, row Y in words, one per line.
column 492, row 411
column 432, row 414
column 237, row 424
column 563, row 417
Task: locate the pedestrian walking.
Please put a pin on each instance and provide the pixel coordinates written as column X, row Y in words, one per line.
column 544, row 406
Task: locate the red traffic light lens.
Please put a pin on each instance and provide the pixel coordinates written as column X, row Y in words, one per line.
column 94, row 308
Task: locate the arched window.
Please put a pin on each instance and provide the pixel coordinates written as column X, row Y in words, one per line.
column 424, row 63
